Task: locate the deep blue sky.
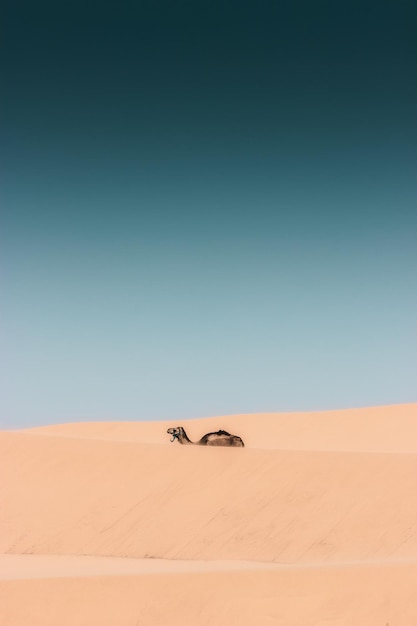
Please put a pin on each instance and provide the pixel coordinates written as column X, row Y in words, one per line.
column 208, row 208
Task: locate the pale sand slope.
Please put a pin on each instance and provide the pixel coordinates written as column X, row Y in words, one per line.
column 357, row 596
column 376, row 429
column 345, row 523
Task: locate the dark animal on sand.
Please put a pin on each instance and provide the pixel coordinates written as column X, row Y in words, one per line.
column 219, row 438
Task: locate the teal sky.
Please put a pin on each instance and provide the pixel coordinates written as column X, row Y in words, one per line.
column 207, row 212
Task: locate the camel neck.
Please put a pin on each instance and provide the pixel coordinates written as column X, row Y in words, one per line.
column 185, row 438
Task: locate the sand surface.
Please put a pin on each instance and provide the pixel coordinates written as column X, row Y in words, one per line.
column 314, row 522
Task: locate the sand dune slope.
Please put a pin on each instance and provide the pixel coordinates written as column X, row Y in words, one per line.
column 375, row 429
column 79, row 496
column 366, row 596
column 325, row 533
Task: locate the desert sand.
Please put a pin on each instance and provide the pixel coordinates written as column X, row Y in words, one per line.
column 313, row 523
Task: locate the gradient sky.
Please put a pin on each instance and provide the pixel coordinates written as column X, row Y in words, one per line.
column 207, row 208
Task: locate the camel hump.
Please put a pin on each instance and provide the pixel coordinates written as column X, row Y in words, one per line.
column 223, row 432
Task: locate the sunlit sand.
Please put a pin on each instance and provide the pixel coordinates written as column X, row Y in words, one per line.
column 313, row 522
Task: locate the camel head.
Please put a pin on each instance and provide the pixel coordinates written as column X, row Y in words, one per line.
column 174, row 432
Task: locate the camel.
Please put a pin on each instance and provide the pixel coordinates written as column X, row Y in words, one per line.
column 219, row 438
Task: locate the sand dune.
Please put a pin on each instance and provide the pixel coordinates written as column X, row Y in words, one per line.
column 131, row 499
column 369, row 596
column 376, row 429
column 313, row 522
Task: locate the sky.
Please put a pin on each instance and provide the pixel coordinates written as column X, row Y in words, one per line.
column 207, row 208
